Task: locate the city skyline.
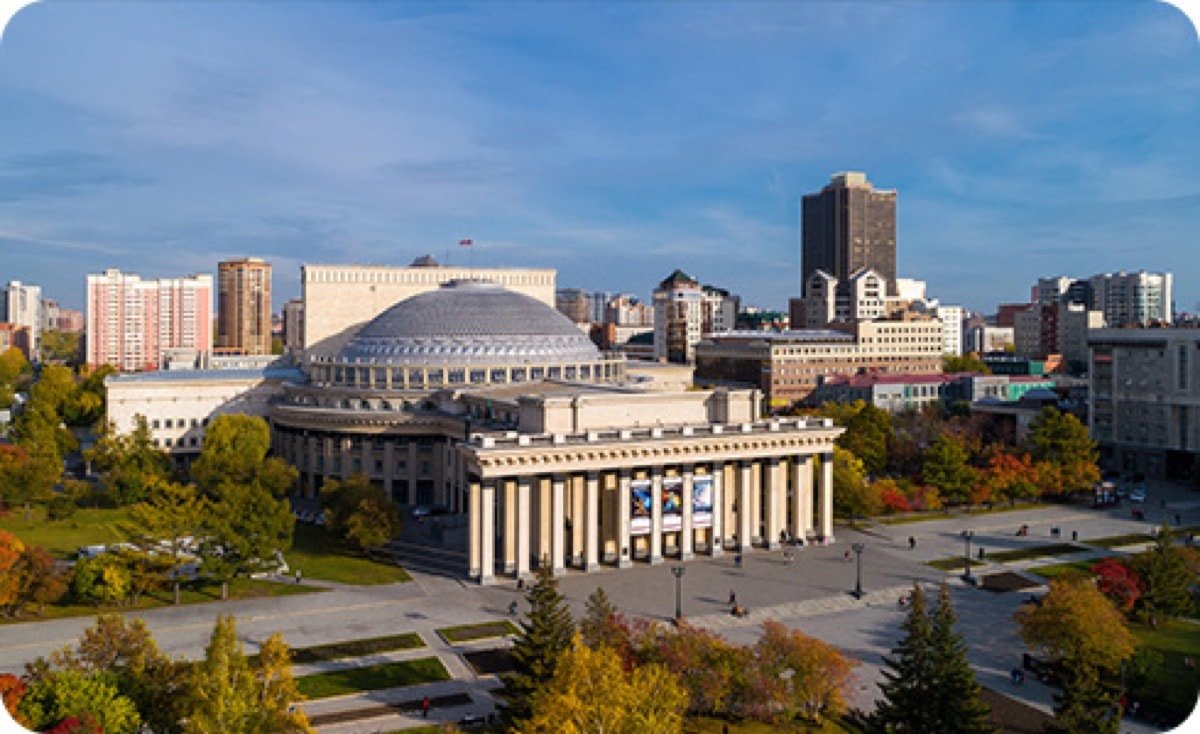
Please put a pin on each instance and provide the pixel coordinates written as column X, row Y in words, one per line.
column 612, row 143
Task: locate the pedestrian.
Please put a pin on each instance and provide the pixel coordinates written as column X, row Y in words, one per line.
column 1015, row 674
column 912, row 542
column 732, row 598
column 846, row 556
column 737, row 561
column 297, row 575
column 1178, row 519
column 520, row 584
column 425, row 707
column 512, row 608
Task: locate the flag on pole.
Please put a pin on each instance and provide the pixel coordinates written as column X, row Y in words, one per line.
column 466, row 242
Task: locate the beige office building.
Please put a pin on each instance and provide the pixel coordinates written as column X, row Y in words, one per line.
column 244, row 306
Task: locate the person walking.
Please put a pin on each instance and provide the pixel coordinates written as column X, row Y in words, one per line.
column 425, row 707
column 912, row 542
column 732, row 598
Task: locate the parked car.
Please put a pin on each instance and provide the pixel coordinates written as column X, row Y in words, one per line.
column 1137, row 494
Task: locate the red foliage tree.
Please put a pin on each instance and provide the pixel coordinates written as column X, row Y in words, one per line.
column 12, row 690
column 1118, row 582
column 76, row 725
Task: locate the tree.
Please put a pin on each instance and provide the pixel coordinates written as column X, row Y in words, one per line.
column 1060, row 439
column 158, row 686
column 235, row 446
column 129, row 464
column 232, row 697
column 546, row 634
column 245, row 528
column 908, row 676
column 73, row 693
column 103, row 580
column 1119, row 582
column 1167, row 577
column 11, row 549
column 866, row 437
column 38, row 581
column 797, row 675
column 1075, row 622
column 171, row 512
column 359, row 512
column 944, row 465
column 58, row 346
column 714, row 672
column 1008, row 476
column 952, row 364
column 590, row 691
column 12, row 690
column 955, row 692
column 853, row 496
column 602, row 625
column 1085, row 705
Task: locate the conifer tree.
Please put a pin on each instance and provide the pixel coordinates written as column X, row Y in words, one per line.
column 1168, row 581
column 954, row 690
column 908, row 677
column 1084, row 706
column 546, row 633
column 600, row 624
column 224, row 685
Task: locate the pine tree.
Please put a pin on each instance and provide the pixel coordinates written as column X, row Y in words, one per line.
column 956, row 702
column 909, row 677
column 546, row 633
column 1084, row 706
column 1167, row 578
column 599, row 619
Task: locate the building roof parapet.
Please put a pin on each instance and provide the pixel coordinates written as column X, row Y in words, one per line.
column 511, row 439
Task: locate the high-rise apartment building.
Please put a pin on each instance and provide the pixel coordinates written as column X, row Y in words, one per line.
column 574, row 303
column 131, row 321
column 21, row 305
column 1132, row 298
column 293, row 326
column 847, row 227
column 244, row 306
column 685, row 311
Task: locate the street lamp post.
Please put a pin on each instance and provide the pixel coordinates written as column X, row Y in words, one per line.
column 858, row 549
column 677, row 572
column 967, row 535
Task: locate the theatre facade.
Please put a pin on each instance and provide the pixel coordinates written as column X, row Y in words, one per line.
column 490, row 403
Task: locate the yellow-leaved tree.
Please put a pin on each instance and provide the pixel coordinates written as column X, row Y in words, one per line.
column 592, row 692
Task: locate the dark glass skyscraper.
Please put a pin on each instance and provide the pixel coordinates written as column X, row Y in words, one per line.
column 847, row 226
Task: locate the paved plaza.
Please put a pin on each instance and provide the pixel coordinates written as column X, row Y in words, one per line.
column 810, row 593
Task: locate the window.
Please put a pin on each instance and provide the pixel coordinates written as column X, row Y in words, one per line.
column 155, row 424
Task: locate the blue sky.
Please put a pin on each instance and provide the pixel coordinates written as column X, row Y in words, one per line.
column 612, row 141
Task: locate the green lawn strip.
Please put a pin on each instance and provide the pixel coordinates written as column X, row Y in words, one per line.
column 1116, row 541
column 240, row 588
column 318, row 555
column 1037, row 551
column 483, row 631
column 373, row 677
column 997, row 509
column 1059, row 569
column 61, row 538
column 356, row 648
column 904, row 519
column 1169, row 684
column 952, row 564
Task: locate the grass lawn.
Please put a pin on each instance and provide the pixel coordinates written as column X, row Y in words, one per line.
column 467, row 632
column 1058, row 569
column 1170, row 685
column 922, row 517
column 1116, row 541
column 1037, row 551
column 373, row 677
column 240, row 588
column 953, row 564
column 319, row 556
column 61, row 538
column 713, row 725
column 356, row 648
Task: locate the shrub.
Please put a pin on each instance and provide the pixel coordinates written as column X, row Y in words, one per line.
column 60, row 508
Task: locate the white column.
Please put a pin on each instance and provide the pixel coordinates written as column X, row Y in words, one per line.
column 716, row 547
column 545, row 521
column 802, row 501
column 558, row 500
column 743, row 510
column 624, row 541
column 774, row 501
column 591, row 535
column 578, row 521
column 687, row 535
column 656, row 515
column 510, row 525
column 825, row 497
column 473, row 534
column 487, row 527
column 523, row 529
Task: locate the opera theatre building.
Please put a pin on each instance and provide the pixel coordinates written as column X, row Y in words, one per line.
column 467, row 389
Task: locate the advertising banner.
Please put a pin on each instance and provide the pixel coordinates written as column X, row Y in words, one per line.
column 672, row 503
column 702, row 501
column 639, row 507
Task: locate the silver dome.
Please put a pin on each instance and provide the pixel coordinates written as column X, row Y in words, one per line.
column 467, row 322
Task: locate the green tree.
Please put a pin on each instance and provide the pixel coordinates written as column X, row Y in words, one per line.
column 245, row 528
column 1085, row 705
column 601, row 625
column 944, row 465
column 359, row 512
column 1168, row 578
column 13, row 367
column 59, row 346
column 952, row 364
column 1062, row 440
column 867, row 435
column 104, row 579
column 715, row 672
column 172, row 512
column 38, row 581
column 235, row 447
column 66, row 693
column 908, row 676
column 129, row 464
column 545, row 635
column 853, row 495
column 278, row 693
column 955, row 692
column 90, row 401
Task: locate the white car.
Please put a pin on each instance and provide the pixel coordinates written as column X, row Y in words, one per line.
column 1137, row 494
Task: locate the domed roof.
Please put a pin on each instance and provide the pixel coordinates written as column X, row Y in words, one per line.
column 469, row 321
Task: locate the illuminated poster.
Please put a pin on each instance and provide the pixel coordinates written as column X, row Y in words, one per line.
column 672, row 503
column 702, row 501
column 639, row 507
